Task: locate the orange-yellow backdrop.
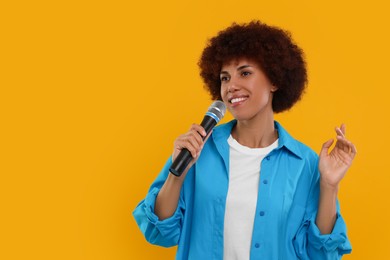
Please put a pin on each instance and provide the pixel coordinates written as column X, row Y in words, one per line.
column 93, row 93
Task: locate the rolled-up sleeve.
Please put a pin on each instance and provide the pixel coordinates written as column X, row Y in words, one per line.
column 309, row 243
column 159, row 232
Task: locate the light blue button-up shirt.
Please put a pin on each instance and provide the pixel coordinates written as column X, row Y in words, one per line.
column 284, row 224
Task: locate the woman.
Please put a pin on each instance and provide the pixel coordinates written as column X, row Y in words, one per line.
column 251, row 191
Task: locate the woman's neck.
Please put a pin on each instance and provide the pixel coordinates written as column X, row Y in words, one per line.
column 255, row 133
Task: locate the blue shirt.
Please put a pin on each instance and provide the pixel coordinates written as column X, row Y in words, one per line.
column 284, row 224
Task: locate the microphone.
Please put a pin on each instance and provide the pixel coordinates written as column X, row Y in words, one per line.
column 213, row 115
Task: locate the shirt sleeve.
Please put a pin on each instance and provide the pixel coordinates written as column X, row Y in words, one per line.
column 159, row 232
column 309, row 243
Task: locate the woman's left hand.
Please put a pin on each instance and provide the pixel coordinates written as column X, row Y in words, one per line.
column 335, row 164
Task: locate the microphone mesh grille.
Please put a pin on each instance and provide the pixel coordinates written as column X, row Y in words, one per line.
column 218, row 108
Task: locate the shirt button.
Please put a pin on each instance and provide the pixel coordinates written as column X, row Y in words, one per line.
column 262, row 213
column 265, row 182
column 257, row 245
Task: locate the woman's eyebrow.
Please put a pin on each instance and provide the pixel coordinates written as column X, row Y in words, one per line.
column 239, row 68
column 243, row 67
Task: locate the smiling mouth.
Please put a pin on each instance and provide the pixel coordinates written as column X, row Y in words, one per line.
column 237, row 100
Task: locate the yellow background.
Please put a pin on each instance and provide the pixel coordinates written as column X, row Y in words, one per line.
column 93, row 93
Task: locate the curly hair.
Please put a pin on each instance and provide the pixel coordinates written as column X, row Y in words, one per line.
column 272, row 48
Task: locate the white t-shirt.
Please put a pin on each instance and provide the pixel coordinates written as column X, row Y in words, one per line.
column 244, row 176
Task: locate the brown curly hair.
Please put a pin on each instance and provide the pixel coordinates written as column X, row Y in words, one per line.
column 271, row 47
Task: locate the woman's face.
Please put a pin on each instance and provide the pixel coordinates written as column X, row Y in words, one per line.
column 246, row 90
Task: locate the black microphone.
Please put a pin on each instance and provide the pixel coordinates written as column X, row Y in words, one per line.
column 214, row 114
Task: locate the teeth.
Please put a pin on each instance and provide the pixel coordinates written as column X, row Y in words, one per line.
column 235, row 100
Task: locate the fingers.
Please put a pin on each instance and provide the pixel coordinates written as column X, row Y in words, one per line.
column 342, row 142
column 353, row 149
column 345, row 157
column 343, row 128
column 192, row 141
column 340, row 132
column 325, row 147
column 199, row 129
column 207, row 137
column 346, row 145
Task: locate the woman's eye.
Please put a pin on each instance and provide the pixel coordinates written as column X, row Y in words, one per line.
column 245, row 73
column 224, row 78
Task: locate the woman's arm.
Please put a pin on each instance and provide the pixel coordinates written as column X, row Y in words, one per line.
column 332, row 167
column 326, row 215
column 168, row 197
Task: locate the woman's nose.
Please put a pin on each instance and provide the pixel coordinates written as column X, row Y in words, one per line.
column 232, row 87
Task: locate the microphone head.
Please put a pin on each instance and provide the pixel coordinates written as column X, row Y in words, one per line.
column 217, row 110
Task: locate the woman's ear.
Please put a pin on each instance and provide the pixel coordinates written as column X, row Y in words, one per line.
column 274, row 88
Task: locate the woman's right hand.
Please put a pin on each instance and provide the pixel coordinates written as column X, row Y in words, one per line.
column 192, row 141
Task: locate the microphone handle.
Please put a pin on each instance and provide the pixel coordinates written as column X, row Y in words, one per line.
column 184, row 158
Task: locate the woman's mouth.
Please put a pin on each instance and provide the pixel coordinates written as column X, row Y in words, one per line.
column 237, row 100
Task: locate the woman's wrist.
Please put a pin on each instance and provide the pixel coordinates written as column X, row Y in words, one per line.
column 176, row 180
column 326, row 186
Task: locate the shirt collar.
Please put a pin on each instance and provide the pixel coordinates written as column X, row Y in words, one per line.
column 222, row 132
